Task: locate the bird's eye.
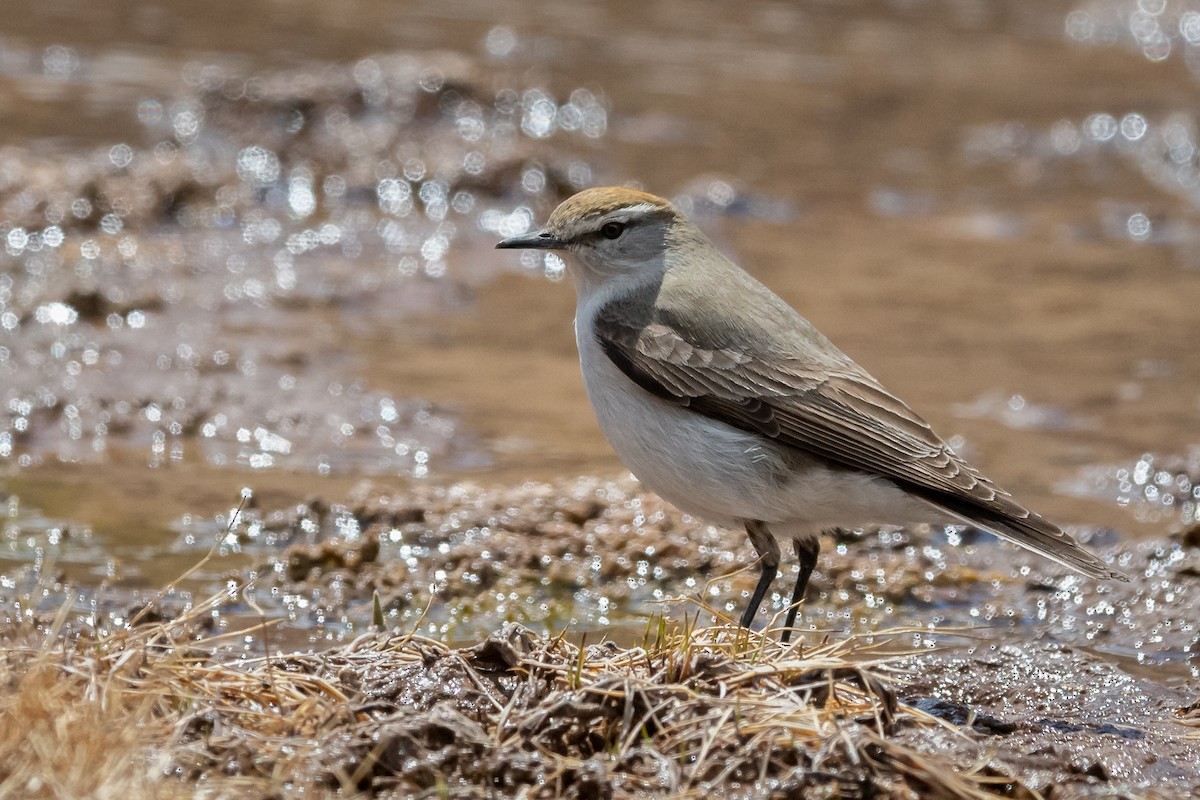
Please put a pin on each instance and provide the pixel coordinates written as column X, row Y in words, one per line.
column 611, row 230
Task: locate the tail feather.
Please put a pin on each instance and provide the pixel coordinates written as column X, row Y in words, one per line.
column 1027, row 529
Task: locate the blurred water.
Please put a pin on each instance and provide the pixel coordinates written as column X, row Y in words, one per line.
column 186, row 294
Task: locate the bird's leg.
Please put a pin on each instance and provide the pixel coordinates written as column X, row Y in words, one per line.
column 768, row 557
column 807, row 548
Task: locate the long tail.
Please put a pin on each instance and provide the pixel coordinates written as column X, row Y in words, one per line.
column 1027, row 529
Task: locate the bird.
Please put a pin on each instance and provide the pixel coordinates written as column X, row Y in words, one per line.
column 726, row 402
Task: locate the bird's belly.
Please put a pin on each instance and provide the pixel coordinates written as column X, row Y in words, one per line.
column 701, row 466
column 725, row 475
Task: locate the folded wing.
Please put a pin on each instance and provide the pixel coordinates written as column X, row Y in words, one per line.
column 841, row 415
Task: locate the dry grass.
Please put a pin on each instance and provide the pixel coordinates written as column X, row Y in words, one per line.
column 63, row 734
column 153, row 712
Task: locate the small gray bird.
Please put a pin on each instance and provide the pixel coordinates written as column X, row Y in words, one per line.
column 723, row 400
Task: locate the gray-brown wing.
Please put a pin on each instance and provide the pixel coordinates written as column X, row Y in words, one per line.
column 841, row 415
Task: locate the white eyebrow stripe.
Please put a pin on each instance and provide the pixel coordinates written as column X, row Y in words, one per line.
column 640, row 208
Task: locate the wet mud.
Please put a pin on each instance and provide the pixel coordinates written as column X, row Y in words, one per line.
column 983, row 669
column 924, row 667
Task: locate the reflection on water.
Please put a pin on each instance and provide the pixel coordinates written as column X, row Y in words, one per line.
column 1159, row 28
column 184, row 295
column 1154, row 488
column 1164, row 152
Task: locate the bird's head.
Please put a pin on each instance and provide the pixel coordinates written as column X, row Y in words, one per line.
column 609, row 234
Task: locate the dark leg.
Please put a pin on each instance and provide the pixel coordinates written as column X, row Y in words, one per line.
column 768, row 555
column 806, row 549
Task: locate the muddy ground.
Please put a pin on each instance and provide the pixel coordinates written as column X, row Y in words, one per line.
column 905, row 680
